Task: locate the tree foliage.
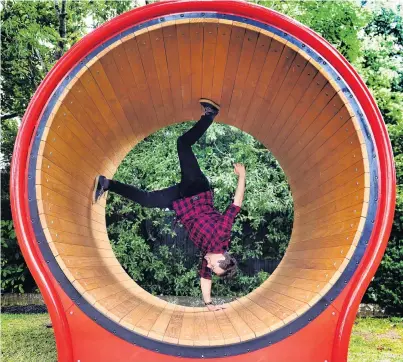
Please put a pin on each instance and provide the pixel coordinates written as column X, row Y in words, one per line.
column 261, row 231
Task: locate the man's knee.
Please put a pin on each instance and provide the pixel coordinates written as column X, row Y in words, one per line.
column 181, row 142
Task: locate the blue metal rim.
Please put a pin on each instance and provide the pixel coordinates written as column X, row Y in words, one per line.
column 206, row 351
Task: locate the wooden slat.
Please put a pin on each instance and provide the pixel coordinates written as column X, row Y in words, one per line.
column 350, row 188
column 270, row 319
column 290, row 120
column 255, row 324
column 125, row 306
column 80, row 273
column 227, row 329
column 187, row 332
column 209, row 47
column 184, row 50
column 201, row 336
column 158, row 329
column 271, row 61
column 99, row 282
column 337, row 162
column 300, row 88
column 306, row 274
column 318, row 105
column 272, row 307
column 60, row 128
column 64, row 124
column 304, row 284
column 289, row 67
column 148, row 320
column 111, row 305
column 241, row 327
column 111, row 132
column 261, row 124
column 347, row 186
column 172, row 56
column 55, row 211
column 320, row 253
column 74, row 239
column 173, row 330
column 75, row 109
column 196, row 63
column 136, row 101
column 147, row 82
column 78, row 250
column 258, row 61
column 221, row 56
column 325, row 107
column 347, row 168
column 329, row 241
column 82, row 262
column 331, row 216
column 247, row 52
column 106, row 88
column 331, row 144
column 322, row 264
column 355, row 171
column 214, row 331
column 315, row 231
column 320, row 136
column 270, row 295
column 277, row 101
column 69, row 206
column 234, row 53
column 136, row 314
column 159, row 57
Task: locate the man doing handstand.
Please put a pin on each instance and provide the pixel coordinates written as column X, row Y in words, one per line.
column 192, row 201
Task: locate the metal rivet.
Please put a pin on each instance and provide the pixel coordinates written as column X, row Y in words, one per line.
column 71, row 312
column 47, row 261
column 182, row 15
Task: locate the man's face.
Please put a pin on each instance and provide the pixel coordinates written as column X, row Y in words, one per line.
column 212, row 262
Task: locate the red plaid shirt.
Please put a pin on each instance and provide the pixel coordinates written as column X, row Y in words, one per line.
column 209, row 230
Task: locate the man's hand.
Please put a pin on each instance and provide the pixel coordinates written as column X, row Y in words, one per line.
column 239, row 169
column 214, row 308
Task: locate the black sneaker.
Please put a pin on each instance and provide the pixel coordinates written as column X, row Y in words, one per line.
column 99, row 188
column 210, row 108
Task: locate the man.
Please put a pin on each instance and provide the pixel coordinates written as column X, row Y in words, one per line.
column 192, row 201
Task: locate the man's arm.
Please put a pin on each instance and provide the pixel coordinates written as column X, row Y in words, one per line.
column 239, row 170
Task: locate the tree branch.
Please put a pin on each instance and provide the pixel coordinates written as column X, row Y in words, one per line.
column 8, row 116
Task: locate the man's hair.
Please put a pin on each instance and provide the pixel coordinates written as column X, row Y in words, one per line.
column 229, row 265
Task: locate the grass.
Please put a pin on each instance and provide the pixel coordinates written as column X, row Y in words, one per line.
column 25, row 338
column 376, row 340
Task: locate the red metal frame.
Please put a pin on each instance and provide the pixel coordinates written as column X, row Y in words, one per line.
column 67, row 329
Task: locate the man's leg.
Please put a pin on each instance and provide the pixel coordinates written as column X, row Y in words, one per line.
column 193, row 181
column 160, row 198
column 190, row 169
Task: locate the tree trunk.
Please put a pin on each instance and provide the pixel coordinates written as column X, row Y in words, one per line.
column 61, row 13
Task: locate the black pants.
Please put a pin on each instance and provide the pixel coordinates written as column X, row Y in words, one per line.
column 193, row 181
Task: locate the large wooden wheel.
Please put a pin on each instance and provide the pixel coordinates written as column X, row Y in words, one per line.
column 275, row 80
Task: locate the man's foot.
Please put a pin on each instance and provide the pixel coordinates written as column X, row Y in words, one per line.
column 210, row 108
column 100, row 186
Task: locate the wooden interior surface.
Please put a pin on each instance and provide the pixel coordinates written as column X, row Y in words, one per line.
column 268, row 88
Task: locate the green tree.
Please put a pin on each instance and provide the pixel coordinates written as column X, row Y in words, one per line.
column 34, row 34
column 381, row 66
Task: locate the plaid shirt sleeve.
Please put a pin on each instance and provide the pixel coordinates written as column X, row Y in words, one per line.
column 204, row 271
column 230, row 214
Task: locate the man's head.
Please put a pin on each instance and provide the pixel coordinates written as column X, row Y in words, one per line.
column 224, row 265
